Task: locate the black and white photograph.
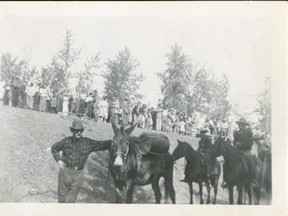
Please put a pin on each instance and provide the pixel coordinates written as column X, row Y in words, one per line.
column 170, row 103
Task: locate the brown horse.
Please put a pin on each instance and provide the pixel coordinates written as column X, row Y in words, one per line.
column 140, row 161
column 194, row 171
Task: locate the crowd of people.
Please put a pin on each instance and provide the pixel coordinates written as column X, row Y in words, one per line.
column 38, row 97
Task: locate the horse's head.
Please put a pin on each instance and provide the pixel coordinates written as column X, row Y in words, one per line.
column 180, row 150
column 219, row 145
column 121, row 142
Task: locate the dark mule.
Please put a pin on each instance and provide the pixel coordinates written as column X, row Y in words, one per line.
column 140, row 161
column 194, row 171
column 234, row 170
column 265, row 178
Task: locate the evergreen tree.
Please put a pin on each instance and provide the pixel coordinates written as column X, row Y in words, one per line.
column 176, row 79
column 189, row 88
column 264, row 107
column 121, row 77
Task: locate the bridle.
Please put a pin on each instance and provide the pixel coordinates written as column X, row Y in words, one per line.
column 124, row 155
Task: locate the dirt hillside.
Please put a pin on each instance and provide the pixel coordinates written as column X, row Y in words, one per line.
column 29, row 172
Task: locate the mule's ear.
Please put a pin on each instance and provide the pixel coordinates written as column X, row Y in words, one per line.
column 114, row 122
column 130, row 130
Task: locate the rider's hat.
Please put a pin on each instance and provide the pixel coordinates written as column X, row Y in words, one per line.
column 242, row 121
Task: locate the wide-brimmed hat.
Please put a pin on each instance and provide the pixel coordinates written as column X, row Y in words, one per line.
column 242, row 121
column 77, row 125
column 204, row 130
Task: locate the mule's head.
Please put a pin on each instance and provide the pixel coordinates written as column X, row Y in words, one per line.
column 121, row 142
column 180, row 150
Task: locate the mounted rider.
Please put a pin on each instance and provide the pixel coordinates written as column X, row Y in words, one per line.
column 243, row 140
column 204, row 144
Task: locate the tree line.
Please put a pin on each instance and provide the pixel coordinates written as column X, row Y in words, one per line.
column 186, row 86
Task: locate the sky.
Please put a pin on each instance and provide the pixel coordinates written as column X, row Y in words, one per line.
column 240, row 41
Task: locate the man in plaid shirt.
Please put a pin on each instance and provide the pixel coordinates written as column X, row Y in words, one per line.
column 75, row 151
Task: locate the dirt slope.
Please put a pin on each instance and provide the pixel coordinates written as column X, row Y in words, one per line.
column 29, row 172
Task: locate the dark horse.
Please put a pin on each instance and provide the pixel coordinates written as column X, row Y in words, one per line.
column 265, row 178
column 140, row 161
column 234, row 170
column 194, row 171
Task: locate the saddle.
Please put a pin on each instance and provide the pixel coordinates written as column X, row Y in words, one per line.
column 154, row 143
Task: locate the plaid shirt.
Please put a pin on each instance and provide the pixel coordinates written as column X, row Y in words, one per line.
column 76, row 152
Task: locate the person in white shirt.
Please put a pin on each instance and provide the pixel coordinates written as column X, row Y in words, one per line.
column 43, row 96
column 30, row 91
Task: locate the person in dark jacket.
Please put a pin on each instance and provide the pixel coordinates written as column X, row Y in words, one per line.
column 75, row 151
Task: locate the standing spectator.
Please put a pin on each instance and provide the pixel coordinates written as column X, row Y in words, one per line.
column 7, row 93
column 43, row 96
column 211, row 126
column 182, row 126
column 59, row 99
column 70, row 102
column 135, row 113
column 53, row 102
column 48, row 99
column 170, row 121
column 16, row 91
column 76, row 97
column 159, row 118
column 65, row 106
column 36, row 98
column 150, row 120
column 124, row 110
column 103, row 110
column 75, row 151
column 22, row 96
column 146, row 117
column 30, row 91
column 165, row 120
column 81, row 110
column 224, row 128
column 153, row 116
column 96, row 106
column 89, row 102
column 2, row 90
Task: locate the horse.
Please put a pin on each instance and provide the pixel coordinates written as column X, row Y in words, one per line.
column 140, row 161
column 194, row 171
column 234, row 170
column 264, row 153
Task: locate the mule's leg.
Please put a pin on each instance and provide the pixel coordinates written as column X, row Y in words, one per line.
column 201, row 192
column 249, row 191
column 169, row 190
column 257, row 191
column 231, row 195
column 157, row 192
column 208, row 191
column 129, row 193
column 119, row 193
column 191, row 191
column 240, row 194
column 168, row 181
column 215, row 185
